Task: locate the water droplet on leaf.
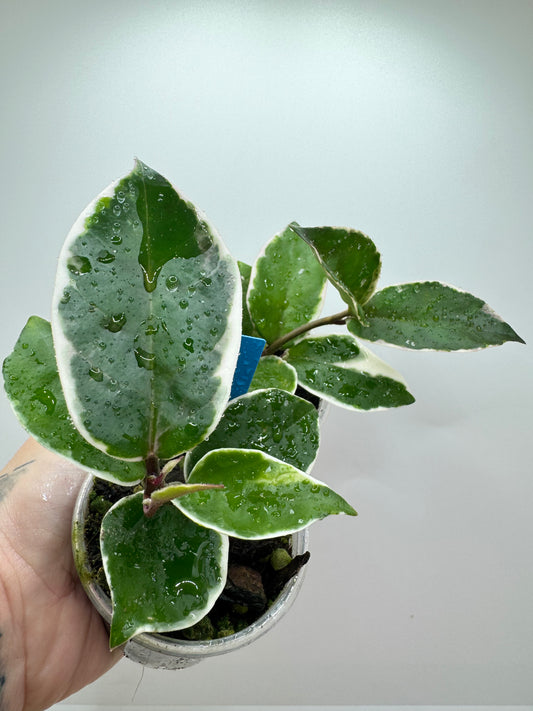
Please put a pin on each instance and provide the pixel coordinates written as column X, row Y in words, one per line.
column 115, row 323
column 78, row 265
column 145, row 359
column 47, row 398
column 191, row 429
column 96, row 374
column 172, row 283
column 105, row 257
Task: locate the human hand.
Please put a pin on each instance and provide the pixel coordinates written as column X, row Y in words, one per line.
column 52, row 641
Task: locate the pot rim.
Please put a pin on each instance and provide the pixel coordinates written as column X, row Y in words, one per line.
column 155, row 642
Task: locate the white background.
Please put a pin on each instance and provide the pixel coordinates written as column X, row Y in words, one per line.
column 411, row 121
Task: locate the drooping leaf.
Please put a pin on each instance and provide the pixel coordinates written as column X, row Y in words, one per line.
column 349, row 258
column 146, row 320
column 165, row 572
column 287, row 286
column 273, row 372
column 337, row 369
column 262, row 496
column 33, row 387
column 248, row 328
column 431, row 315
column 272, row 421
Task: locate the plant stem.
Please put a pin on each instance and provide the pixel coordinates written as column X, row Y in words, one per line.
column 174, row 491
column 339, row 319
column 154, row 477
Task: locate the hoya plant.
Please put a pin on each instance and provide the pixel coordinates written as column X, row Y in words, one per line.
column 143, row 378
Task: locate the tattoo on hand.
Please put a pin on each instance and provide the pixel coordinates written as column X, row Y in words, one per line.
column 23, row 466
column 9, row 479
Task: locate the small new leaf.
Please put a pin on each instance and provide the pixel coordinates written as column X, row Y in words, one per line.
column 273, row 372
column 170, row 466
column 175, row 491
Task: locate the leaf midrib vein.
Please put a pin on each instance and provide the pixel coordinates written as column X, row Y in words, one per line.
column 153, row 409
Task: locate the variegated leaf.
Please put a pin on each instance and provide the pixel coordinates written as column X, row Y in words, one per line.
column 146, row 320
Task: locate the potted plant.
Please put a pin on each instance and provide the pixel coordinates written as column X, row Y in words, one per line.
column 193, row 380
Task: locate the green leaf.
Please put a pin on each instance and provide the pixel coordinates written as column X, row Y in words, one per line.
column 248, row 328
column 272, row 421
column 165, row 572
column 431, row 315
column 287, row 286
column 33, row 387
column 273, row 372
column 349, row 258
column 146, row 320
column 337, row 369
column 262, row 496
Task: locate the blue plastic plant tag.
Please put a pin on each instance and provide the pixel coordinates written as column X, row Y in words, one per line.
column 249, row 355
